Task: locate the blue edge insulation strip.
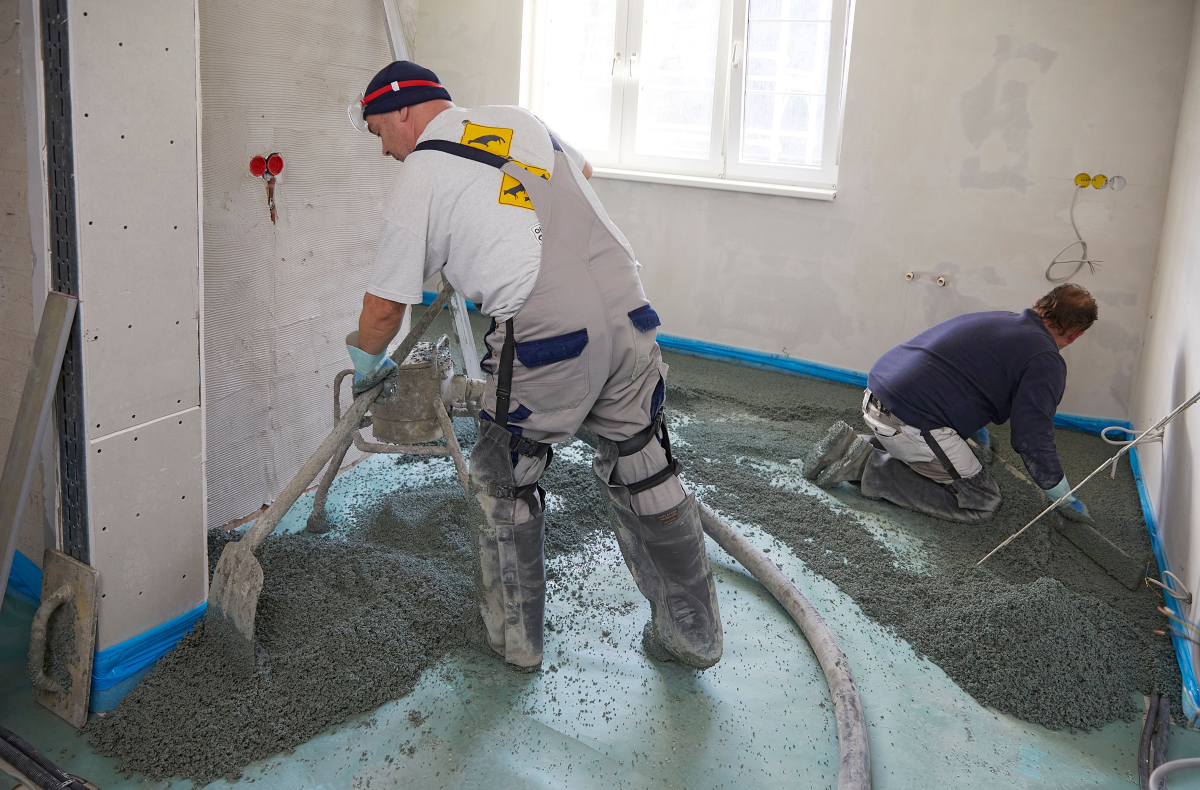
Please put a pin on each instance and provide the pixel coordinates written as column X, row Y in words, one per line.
column 117, row 669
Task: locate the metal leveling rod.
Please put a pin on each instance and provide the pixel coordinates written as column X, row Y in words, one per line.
column 1099, row 469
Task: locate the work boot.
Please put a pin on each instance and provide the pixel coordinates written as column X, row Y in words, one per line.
column 829, row 449
column 666, row 556
column 849, row 467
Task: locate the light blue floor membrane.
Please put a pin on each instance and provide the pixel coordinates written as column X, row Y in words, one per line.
column 600, row 714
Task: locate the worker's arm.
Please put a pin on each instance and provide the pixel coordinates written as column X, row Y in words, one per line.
column 1037, row 398
column 1034, row 403
column 378, row 323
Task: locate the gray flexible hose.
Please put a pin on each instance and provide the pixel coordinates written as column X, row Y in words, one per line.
column 854, row 765
column 854, row 755
column 1158, row 779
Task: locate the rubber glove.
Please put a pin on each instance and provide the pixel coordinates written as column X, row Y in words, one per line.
column 1072, row 509
column 370, row 369
column 984, row 440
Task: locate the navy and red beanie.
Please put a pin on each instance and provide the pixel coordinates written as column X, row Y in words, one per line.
column 401, row 84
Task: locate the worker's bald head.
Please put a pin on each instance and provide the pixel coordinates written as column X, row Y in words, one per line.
column 1069, row 308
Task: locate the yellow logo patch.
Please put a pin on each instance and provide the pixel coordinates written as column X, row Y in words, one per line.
column 487, row 138
column 512, row 191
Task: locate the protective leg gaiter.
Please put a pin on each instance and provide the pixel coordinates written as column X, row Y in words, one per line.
column 966, row 501
column 666, row 556
column 510, row 577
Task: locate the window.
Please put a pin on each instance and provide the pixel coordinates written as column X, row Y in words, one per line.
column 734, row 91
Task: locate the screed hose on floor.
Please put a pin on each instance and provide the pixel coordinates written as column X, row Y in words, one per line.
column 854, row 763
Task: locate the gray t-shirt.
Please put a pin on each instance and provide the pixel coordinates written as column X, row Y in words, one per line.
column 466, row 219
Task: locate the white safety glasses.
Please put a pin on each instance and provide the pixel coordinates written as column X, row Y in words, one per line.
column 355, row 111
column 356, row 108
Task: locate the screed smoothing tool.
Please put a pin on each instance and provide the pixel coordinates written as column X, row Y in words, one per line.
column 238, row 578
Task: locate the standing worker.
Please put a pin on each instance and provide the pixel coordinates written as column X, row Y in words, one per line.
column 501, row 206
column 924, row 397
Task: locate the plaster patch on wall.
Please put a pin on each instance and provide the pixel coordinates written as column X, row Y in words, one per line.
column 995, row 117
column 1116, row 298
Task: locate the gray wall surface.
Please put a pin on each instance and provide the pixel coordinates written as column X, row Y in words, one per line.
column 280, row 298
column 965, row 125
column 17, row 320
column 1169, row 372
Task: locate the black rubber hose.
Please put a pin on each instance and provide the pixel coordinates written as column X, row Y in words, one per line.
column 32, row 771
column 1162, row 731
column 1144, row 745
column 21, row 755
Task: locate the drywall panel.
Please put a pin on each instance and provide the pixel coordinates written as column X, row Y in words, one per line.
column 964, row 127
column 134, row 104
column 280, row 298
column 1170, row 361
column 147, row 542
column 134, row 116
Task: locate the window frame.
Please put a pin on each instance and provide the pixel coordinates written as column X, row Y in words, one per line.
column 724, row 168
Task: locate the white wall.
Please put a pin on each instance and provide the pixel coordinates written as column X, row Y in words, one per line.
column 1170, row 359
column 279, row 299
column 965, row 125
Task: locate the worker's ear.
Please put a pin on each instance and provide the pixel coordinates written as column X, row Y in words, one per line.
column 1071, row 337
column 403, row 115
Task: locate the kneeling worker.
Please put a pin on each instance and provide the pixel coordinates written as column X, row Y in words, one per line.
column 924, row 397
column 501, row 206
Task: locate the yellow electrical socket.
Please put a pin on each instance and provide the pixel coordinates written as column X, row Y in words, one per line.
column 1083, row 180
column 1099, row 181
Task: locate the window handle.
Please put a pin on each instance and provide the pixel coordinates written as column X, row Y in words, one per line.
column 633, row 65
column 737, row 54
column 616, row 60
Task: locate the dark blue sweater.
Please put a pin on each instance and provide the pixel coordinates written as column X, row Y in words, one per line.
column 976, row 369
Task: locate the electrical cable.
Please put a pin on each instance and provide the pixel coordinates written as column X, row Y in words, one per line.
column 1079, row 262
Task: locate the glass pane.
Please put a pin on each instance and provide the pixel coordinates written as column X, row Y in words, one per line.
column 677, row 74
column 577, row 98
column 783, row 129
column 790, row 57
column 808, row 10
column 787, row 73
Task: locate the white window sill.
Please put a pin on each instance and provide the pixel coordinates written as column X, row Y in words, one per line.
column 705, row 182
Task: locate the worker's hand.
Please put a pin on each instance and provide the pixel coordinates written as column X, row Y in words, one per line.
column 370, row 369
column 987, row 445
column 387, row 372
column 1070, row 508
column 1074, row 510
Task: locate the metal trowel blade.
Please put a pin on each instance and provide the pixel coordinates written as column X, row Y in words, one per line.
column 233, row 601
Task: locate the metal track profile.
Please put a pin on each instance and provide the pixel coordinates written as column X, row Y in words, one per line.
column 64, row 267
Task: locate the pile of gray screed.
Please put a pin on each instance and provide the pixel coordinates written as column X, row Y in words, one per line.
column 1039, row 630
column 350, row 622
column 346, row 623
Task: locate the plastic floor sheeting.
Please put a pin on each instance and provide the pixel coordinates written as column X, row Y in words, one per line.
column 602, row 715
